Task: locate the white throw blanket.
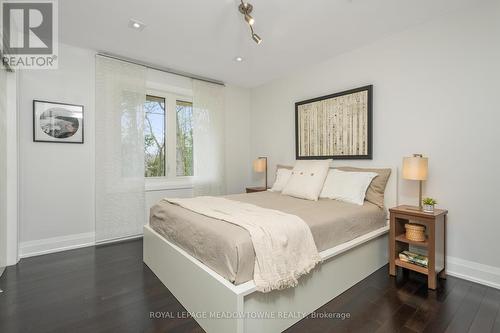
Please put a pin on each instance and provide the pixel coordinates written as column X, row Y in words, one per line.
column 283, row 243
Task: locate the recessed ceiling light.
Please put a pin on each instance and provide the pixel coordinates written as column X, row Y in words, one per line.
column 135, row 24
column 238, row 59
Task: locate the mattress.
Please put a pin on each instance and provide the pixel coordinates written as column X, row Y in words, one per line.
column 227, row 248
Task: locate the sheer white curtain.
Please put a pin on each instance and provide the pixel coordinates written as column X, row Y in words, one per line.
column 119, row 165
column 208, row 137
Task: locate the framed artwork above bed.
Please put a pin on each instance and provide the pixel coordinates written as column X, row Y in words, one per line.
column 336, row 126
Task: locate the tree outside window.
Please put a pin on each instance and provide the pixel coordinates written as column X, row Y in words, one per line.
column 184, row 115
column 154, row 136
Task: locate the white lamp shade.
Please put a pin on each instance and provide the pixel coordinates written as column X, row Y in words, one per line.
column 415, row 168
column 260, row 165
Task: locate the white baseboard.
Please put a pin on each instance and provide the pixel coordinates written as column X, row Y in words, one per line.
column 56, row 244
column 472, row 271
column 118, row 240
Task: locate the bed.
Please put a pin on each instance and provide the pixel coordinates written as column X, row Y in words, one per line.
column 215, row 285
column 227, row 248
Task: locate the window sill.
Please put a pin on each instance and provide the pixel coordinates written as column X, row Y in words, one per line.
column 165, row 184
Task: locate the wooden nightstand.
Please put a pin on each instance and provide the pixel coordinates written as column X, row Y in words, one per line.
column 435, row 242
column 256, row 189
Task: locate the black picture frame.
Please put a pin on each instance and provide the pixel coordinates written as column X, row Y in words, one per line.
column 56, row 140
column 369, row 155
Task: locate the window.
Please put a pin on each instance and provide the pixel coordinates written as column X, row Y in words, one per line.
column 184, row 113
column 168, row 135
column 154, row 136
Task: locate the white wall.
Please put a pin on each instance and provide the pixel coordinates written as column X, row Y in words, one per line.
column 12, row 158
column 436, row 92
column 238, row 159
column 8, row 169
column 57, row 180
column 3, row 170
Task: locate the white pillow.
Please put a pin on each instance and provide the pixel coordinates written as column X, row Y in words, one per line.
column 307, row 179
column 282, row 178
column 347, row 186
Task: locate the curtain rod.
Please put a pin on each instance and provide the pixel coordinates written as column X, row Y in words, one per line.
column 159, row 68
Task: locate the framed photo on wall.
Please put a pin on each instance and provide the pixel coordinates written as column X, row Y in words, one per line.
column 336, row 126
column 57, row 122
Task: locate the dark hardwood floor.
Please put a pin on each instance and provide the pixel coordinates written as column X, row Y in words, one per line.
column 109, row 289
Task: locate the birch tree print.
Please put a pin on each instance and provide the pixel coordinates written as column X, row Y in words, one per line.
column 336, row 126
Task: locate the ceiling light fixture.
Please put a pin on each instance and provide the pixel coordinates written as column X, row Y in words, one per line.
column 238, row 59
column 250, row 20
column 137, row 25
column 256, row 38
column 245, row 8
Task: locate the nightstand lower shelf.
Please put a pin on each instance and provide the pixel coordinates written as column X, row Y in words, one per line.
column 411, row 266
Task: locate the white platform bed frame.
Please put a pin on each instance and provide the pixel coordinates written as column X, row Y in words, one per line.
column 220, row 306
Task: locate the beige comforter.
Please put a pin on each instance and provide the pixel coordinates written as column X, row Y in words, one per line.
column 283, row 243
column 227, row 248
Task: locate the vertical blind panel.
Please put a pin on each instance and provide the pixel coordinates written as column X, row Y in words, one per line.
column 119, row 165
column 208, row 138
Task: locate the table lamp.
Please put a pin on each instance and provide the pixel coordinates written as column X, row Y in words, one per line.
column 260, row 165
column 415, row 168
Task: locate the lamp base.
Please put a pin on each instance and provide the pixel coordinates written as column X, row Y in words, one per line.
column 420, row 194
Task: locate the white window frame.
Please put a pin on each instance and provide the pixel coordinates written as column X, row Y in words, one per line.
column 170, row 180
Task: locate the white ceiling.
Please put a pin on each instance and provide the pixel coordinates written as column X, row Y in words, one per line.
column 204, row 36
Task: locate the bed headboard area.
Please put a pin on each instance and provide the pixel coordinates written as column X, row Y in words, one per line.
column 391, row 194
